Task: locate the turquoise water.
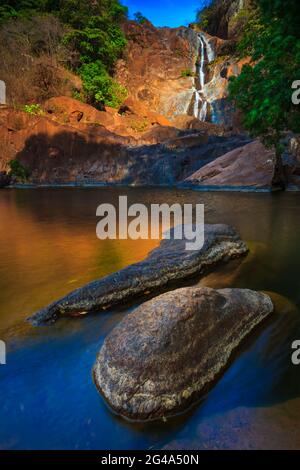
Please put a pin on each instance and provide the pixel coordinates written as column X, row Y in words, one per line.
column 48, row 247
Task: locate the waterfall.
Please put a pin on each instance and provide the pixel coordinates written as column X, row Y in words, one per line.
column 203, row 111
column 202, row 62
column 197, row 100
column 200, row 103
column 209, row 49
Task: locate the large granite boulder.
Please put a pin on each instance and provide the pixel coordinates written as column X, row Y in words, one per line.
column 248, row 167
column 168, row 263
column 164, row 355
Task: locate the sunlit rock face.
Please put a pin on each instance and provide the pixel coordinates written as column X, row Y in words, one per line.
column 70, row 147
column 216, row 89
column 165, row 354
column 158, row 66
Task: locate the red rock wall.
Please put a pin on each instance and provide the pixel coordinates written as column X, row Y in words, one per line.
column 152, row 68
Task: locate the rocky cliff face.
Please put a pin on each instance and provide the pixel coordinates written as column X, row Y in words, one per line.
column 179, row 71
column 176, row 120
column 224, row 19
column 157, row 65
column 74, row 143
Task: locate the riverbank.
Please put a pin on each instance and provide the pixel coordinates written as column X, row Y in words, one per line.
column 43, row 151
column 180, row 186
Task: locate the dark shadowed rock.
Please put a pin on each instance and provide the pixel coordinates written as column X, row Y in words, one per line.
column 163, row 356
column 5, row 179
column 168, row 263
column 85, row 149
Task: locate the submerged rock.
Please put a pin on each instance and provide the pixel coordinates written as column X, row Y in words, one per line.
column 168, row 263
column 162, row 357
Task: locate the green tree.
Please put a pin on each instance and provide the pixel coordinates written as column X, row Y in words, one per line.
column 139, row 18
column 263, row 90
column 99, row 87
column 98, row 40
column 18, row 171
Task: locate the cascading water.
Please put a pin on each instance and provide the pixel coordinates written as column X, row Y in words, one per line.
column 202, row 62
column 200, row 103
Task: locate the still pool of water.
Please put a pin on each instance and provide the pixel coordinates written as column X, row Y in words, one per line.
column 48, row 247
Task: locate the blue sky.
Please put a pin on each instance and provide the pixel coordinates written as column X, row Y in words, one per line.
column 165, row 12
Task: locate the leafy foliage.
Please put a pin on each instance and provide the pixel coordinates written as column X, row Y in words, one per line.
column 206, row 14
column 99, row 87
column 18, row 171
column 139, row 18
column 25, row 8
column 253, row 28
column 139, row 126
column 33, row 109
column 186, row 73
column 94, row 39
column 263, row 91
column 96, row 32
column 98, row 40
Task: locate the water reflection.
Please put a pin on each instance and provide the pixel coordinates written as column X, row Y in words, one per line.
column 48, row 247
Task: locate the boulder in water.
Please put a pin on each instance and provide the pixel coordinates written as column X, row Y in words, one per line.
column 168, row 263
column 165, row 354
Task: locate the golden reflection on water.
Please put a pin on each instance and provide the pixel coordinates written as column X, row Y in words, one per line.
column 42, row 260
column 48, row 247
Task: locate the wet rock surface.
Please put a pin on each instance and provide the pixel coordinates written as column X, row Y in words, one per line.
column 165, row 354
column 168, row 263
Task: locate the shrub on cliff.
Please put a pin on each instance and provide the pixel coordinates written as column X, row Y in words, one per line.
column 33, row 109
column 139, row 18
column 98, row 40
column 186, row 73
column 18, row 171
column 99, row 87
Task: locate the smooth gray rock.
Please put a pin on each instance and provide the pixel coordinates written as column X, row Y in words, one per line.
column 164, row 355
column 168, row 263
